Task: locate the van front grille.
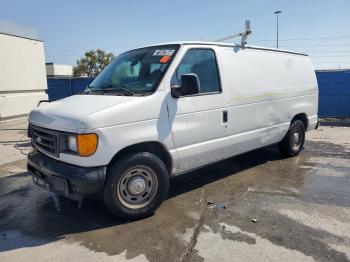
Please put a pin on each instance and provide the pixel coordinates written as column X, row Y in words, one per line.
column 45, row 139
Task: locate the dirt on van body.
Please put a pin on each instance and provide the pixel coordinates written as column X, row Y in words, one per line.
column 253, row 207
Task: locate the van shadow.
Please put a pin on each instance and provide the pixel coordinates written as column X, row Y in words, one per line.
column 220, row 170
column 30, row 216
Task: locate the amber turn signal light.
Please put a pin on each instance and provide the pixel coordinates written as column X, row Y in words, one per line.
column 87, row 144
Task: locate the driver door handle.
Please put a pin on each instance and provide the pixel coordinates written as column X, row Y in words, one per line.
column 224, row 116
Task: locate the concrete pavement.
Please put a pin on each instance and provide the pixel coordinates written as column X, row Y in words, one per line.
column 254, row 207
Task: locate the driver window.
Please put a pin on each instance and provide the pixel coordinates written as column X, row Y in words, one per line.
column 201, row 62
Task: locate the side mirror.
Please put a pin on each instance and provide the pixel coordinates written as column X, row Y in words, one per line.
column 189, row 86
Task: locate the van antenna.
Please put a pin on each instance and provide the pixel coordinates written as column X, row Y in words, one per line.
column 244, row 35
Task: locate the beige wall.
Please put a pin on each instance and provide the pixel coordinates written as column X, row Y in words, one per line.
column 59, row 70
column 22, row 75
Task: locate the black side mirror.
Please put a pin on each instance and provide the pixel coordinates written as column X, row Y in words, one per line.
column 189, row 86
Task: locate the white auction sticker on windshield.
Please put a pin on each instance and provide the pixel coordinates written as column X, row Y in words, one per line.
column 163, row 52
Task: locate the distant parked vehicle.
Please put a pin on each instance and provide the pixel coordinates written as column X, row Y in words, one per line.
column 164, row 110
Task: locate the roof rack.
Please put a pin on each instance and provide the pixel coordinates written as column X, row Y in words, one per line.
column 243, row 34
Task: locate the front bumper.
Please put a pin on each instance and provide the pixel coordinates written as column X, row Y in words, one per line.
column 65, row 179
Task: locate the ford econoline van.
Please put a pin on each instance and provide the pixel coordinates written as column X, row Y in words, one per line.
column 163, row 110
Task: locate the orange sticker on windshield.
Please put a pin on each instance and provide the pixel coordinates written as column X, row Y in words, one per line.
column 165, row 59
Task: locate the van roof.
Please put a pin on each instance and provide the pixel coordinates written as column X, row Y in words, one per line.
column 230, row 45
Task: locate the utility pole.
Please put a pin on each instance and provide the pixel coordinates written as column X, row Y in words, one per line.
column 277, row 13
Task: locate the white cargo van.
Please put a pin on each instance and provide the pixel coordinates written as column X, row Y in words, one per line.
column 163, row 110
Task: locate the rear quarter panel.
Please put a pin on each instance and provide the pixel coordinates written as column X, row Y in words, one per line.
column 266, row 90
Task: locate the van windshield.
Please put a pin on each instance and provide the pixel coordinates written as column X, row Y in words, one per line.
column 135, row 72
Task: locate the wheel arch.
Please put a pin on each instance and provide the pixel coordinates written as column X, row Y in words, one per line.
column 152, row 147
column 303, row 118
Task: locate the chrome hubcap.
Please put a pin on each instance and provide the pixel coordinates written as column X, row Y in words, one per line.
column 137, row 187
column 296, row 139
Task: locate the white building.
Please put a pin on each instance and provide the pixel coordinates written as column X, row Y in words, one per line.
column 58, row 70
column 22, row 70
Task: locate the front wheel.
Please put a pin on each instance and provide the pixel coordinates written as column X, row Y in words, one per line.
column 136, row 185
column 293, row 142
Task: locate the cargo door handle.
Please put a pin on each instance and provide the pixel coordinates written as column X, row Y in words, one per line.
column 224, row 117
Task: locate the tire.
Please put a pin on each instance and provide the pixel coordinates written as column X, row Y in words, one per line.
column 294, row 140
column 136, row 186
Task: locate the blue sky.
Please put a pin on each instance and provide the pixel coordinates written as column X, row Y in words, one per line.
column 69, row 28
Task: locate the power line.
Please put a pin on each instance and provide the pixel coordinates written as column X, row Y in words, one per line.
column 73, row 54
column 332, row 52
column 304, row 39
column 330, row 55
column 331, row 62
column 316, row 45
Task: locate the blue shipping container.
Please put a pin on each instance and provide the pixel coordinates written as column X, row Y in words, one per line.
column 334, row 93
column 58, row 88
column 334, row 88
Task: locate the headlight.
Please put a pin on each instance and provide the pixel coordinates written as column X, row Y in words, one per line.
column 83, row 144
column 72, row 143
column 86, row 144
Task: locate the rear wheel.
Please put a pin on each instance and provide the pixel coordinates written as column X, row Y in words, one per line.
column 136, row 185
column 293, row 142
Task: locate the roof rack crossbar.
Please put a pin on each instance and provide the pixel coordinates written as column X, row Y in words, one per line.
column 243, row 34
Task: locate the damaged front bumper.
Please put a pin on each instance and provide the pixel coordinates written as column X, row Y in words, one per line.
column 67, row 180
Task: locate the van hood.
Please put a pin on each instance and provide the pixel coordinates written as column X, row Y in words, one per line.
column 68, row 114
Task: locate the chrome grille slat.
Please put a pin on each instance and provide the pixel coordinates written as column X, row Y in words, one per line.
column 45, row 139
column 44, row 145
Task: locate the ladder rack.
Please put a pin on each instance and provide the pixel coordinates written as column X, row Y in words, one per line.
column 243, row 34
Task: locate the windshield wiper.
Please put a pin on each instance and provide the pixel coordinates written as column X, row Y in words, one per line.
column 115, row 88
column 87, row 90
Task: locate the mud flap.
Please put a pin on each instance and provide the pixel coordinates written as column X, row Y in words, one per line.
column 317, row 125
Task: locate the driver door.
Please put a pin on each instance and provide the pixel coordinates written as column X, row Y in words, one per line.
column 198, row 122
